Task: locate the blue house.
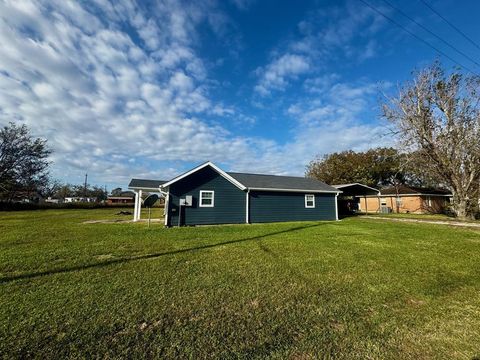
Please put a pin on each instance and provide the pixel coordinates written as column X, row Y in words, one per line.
column 209, row 195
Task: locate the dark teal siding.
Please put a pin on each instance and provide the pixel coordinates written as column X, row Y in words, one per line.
column 289, row 206
column 229, row 200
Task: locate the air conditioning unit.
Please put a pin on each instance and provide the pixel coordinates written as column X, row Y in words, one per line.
column 385, row 210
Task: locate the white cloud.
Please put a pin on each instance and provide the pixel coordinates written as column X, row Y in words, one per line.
column 119, row 108
column 276, row 74
column 325, row 35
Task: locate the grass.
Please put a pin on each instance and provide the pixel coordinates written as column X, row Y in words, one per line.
column 358, row 288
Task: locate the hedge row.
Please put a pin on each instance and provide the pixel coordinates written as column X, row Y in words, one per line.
column 8, row 206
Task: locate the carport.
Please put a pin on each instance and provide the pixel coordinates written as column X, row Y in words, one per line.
column 141, row 187
column 349, row 199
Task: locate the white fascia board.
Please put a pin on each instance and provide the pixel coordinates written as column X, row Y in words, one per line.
column 144, row 188
column 416, row 194
column 353, row 184
column 296, row 190
column 199, row 167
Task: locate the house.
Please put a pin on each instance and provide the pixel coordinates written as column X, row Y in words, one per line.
column 209, row 195
column 407, row 199
column 124, row 197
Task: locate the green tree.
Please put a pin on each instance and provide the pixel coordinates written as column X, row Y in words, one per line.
column 23, row 161
column 375, row 167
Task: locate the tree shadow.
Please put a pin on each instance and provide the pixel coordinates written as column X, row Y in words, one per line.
column 32, row 275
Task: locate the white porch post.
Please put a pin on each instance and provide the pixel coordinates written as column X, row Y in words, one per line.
column 135, row 209
column 336, row 206
column 165, row 209
column 247, row 207
column 139, row 207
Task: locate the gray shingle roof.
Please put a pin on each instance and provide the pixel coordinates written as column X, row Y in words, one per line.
column 261, row 181
column 414, row 190
column 145, row 183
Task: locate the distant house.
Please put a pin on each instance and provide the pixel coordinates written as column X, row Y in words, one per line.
column 209, row 195
column 124, row 197
column 77, row 199
column 407, row 199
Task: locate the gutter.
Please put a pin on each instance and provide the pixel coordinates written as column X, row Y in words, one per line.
column 297, row 190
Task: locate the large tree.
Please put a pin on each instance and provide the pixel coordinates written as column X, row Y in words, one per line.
column 437, row 117
column 23, row 161
column 375, row 167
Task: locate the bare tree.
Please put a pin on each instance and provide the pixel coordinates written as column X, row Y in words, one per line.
column 437, row 116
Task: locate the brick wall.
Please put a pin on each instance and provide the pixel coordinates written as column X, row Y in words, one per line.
column 410, row 204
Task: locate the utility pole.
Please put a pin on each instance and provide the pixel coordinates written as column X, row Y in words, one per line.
column 85, row 189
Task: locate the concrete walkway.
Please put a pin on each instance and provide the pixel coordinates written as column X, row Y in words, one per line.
column 440, row 222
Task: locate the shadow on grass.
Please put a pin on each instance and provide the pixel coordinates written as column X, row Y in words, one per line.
column 146, row 256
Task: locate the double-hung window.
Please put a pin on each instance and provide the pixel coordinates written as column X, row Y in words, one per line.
column 309, row 201
column 207, row 198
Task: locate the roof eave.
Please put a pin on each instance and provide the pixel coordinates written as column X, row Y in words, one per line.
column 296, row 190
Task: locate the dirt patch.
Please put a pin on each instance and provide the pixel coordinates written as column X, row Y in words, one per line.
column 121, row 221
column 439, row 222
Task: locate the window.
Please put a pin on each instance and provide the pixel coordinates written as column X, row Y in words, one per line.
column 207, row 198
column 383, row 201
column 309, row 201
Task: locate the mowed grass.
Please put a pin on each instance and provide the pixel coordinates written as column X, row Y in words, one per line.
column 354, row 289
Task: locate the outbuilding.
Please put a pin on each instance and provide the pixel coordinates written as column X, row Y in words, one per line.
column 209, row 195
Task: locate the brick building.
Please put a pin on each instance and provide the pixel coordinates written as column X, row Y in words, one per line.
column 407, row 199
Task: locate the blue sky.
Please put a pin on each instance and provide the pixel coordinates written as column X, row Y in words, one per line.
column 150, row 89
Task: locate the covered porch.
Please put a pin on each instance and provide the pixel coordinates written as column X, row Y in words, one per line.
column 142, row 187
column 349, row 200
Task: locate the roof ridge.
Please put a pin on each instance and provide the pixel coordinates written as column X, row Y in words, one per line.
column 257, row 174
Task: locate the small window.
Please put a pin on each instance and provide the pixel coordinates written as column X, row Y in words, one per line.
column 383, row 201
column 309, row 201
column 207, row 198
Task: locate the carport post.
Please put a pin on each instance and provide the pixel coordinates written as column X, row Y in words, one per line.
column 135, row 209
column 336, row 206
column 139, row 207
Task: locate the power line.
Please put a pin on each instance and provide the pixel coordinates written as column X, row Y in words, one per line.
column 418, row 37
column 431, row 32
column 451, row 25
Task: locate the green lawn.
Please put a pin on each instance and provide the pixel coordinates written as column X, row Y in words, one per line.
column 354, row 289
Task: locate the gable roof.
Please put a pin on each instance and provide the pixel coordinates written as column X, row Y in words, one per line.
column 282, row 183
column 201, row 166
column 246, row 181
column 145, row 184
column 412, row 190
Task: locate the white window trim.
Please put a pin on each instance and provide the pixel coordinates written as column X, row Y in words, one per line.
column 200, row 198
column 306, row 204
